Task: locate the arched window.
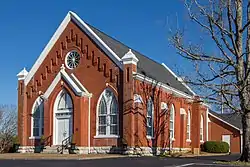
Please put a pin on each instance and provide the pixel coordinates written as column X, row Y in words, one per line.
column 201, row 129
column 65, row 102
column 171, row 122
column 37, row 119
column 188, row 126
column 150, row 118
column 108, row 114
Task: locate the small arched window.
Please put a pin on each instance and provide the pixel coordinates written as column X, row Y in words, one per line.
column 201, row 129
column 171, row 122
column 150, row 118
column 37, row 119
column 65, row 101
column 108, row 114
column 188, row 126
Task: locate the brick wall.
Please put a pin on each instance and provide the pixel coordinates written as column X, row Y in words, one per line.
column 218, row 128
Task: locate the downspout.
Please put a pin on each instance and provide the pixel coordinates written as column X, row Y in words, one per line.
column 207, row 125
column 241, row 141
column 89, row 124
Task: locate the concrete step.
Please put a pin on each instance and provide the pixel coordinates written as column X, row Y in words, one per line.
column 54, row 150
column 50, row 150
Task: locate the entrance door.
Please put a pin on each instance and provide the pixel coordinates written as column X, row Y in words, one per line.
column 63, row 129
column 226, row 138
column 63, row 117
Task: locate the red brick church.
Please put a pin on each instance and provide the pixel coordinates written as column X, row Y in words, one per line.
column 89, row 89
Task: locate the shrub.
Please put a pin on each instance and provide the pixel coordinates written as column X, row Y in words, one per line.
column 216, row 147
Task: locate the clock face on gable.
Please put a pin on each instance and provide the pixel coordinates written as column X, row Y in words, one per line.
column 72, row 60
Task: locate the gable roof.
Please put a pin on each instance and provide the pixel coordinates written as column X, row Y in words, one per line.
column 145, row 66
column 71, row 16
column 115, row 50
column 72, row 81
column 233, row 119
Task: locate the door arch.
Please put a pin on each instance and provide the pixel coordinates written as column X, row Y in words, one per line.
column 63, row 117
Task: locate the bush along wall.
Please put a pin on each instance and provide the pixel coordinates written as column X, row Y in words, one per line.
column 215, row 147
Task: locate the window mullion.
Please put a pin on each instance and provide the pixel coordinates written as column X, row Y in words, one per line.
column 108, row 119
column 40, row 122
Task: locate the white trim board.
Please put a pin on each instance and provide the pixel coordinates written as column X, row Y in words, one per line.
column 78, row 89
column 178, row 78
column 71, row 16
column 141, row 77
column 225, row 122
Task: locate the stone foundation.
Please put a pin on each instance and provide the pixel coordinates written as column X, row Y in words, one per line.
column 142, row 151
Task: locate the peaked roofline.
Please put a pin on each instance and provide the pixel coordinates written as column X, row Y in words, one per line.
column 71, row 16
column 225, row 122
column 77, row 88
column 178, row 78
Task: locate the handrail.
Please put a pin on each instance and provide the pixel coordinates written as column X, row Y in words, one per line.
column 66, row 142
column 48, row 141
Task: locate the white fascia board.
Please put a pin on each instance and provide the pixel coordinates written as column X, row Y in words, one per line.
column 96, row 38
column 79, row 83
column 166, row 87
column 179, row 79
column 58, row 33
column 224, row 122
column 48, row 47
column 71, row 83
column 52, row 86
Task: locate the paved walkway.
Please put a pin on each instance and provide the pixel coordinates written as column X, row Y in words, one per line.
column 37, row 156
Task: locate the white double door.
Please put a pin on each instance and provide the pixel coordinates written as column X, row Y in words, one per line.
column 63, row 128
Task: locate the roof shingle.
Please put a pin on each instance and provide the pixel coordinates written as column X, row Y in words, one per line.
column 145, row 66
column 232, row 118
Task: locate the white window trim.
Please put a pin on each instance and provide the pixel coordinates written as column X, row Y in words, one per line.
column 202, row 129
column 35, row 137
column 150, row 137
column 108, row 135
column 188, row 125
column 38, row 102
column 152, row 117
column 172, row 110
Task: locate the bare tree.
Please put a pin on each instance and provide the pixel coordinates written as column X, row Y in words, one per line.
column 152, row 94
column 225, row 75
column 8, row 126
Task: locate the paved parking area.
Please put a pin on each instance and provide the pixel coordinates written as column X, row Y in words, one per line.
column 120, row 162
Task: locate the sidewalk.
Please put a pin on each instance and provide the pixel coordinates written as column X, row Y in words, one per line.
column 203, row 154
column 37, row 156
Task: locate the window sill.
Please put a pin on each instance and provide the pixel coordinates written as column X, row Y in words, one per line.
column 106, row 136
column 201, row 141
column 35, row 137
column 188, row 140
column 150, row 137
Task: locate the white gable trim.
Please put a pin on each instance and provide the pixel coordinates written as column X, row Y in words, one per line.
column 79, row 83
column 224, row 122
column 178, row 78
column 71, row 83
column 96, row 38
column 48, row 47
column 57, row 34
column 62, row 74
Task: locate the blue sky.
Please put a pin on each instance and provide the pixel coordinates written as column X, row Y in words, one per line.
column 27, row 26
